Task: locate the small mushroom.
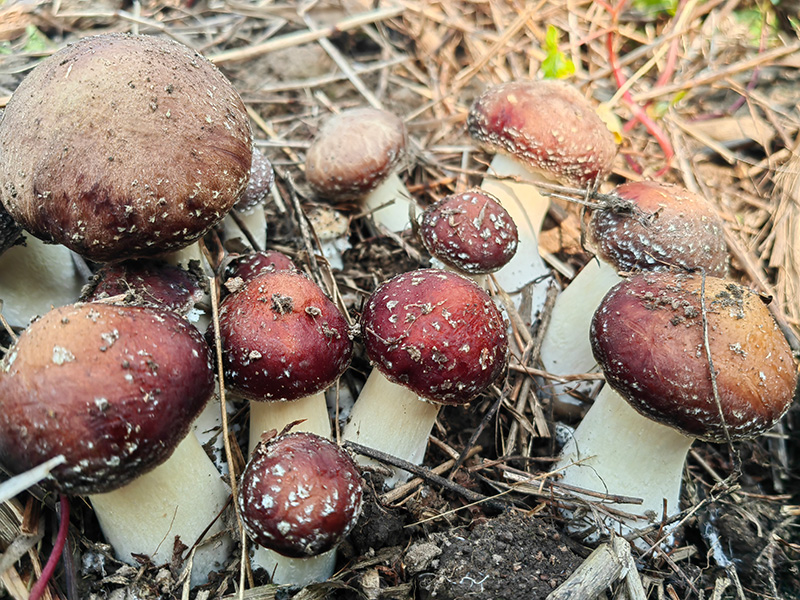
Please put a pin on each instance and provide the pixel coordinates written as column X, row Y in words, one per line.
column 250, row 207
column 299, row 496
column 434, row 337
column 660, row 395
column 470, row 232
column 538, row 131
column 115, row 389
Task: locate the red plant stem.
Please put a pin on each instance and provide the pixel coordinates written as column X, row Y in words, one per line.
column 52, row 561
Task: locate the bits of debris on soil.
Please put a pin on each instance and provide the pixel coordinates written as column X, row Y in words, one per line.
column 511, row 556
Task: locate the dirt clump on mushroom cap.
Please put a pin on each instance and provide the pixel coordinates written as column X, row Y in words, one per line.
column 121, row 146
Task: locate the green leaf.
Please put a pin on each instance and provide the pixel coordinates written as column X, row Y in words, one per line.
column 656, row 8
column 37, row 41
column 556, row 65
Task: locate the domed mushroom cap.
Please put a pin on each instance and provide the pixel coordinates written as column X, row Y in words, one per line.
column 112, row 388
column 282, row 338
column 300, row 494
column 259, row 183
column 354, row 151
column 121, row 146
column 436, row 333
column 668, row 227
column 248, row 266
column 469, row 231
column 546, row 125
column 647, row 335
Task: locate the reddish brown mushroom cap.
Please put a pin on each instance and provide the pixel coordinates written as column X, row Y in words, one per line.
column 647, row 335
column 469, row 231
column 437, row 333
column 354, row 151
column 300, row 495
column 669, row 226
column 112, row 388
column 259, row 184
column 248, row 266
column 546, row 125
column 121, row 146
column 282, row 338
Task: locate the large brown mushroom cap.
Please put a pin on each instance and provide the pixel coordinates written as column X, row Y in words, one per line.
column 300, row 494
column 112, row 388
column 354, row 151
column 669, row 226
column 282, row 338
column 546, row 125
column 120, row 146
column 469, row 231
column 647, row 335
column 436, row 333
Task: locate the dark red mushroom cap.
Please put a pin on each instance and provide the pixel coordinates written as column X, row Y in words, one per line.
column 300, row 494
column 282, row 338
column 647, row 335
column 469, row 231
column 147, row 282
column 123, row 146
column 112, row 388
column 668, row 226
column 548, row 126
column 259, row 184
column 354, row 151
column 437, row 333
column 248, row 266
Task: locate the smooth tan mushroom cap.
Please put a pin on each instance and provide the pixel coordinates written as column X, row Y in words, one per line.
column 122, row 146
column 546, row 125
column 353, row 152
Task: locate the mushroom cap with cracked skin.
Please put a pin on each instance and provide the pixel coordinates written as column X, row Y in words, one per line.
column 546, row 125
column 300, row 494
column 437, row 333
column 282, row 338
column 668, row 227
column 648, row 336
column 354, row 152
column 112, row 388
column 123, row 146
column 469, row 231
column 259, row 183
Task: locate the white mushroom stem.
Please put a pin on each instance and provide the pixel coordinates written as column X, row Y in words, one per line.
column 35, row 278
column 393, row 419
column 510, row 182
column 312, row 410
column 295, row 571
column 565, row 348
column 392, row 193
column 615, row 450
column 180, row 497
column 254, row 220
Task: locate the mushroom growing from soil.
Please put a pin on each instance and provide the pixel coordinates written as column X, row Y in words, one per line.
column 115, row 389
column 538, row 131
column 662, row 226
column 470, row 232
column 283, row 344
column 250, row 207
column 122, row 146
column 299, row 496
column 355, row 156
column 434, row 338
column 649, row 337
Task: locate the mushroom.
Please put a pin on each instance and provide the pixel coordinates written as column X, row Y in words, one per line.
column 658, row 226
column 355, row 156
column 250, row 207
column 283, row 343
column 122, row 146
column 299, row 496
column 115, row 390
column 248, row 266
column 649, row 337
column 539, row 131
column 470, row 232
column 434, row 337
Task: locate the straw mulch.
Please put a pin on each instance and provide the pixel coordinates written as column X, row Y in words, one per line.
column 700, row 93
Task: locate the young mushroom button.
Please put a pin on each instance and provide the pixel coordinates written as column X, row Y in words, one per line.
column 539, row 131
column 434, row 337
column 299, row 496
column 649, row 337
column 121, row 146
